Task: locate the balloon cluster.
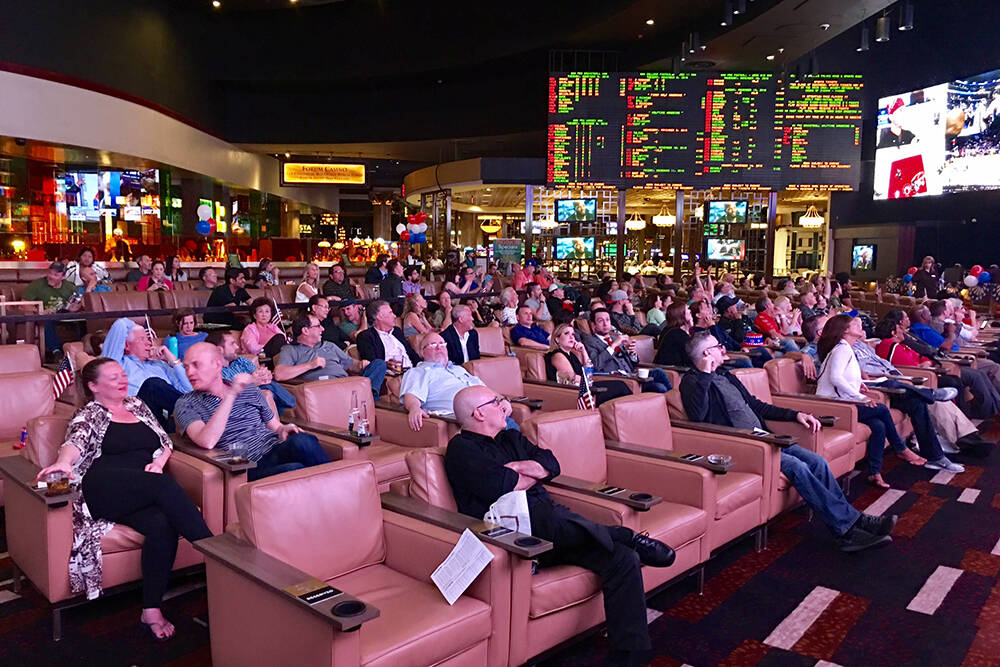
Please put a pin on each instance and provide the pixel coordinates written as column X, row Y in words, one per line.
column 206, row 225
column 909, row 274
column 977, row 277
column 415, row 229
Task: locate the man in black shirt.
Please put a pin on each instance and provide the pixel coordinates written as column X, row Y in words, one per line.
column 485, row 461
column 716, row 396
column 232, row 293
column 377, row 272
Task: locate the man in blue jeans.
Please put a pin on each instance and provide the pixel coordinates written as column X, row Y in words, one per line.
column 220, row 415
column 716, row 396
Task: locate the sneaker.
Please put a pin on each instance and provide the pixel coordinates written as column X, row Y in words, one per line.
column 944, row 393
column 944, row 464
column 877, row 525
column 652, row 552
column 859, row 539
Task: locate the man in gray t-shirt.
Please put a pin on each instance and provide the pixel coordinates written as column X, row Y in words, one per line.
column 312, row 358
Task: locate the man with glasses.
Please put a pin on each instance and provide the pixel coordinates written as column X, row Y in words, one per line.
column 486, row 461
column 713, row 395
column 430, row 386
column 312, row 358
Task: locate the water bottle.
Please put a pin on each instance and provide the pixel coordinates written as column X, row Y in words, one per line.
column 352, row 419
column 24, row 437
column 172, row 345
column 588, row 372
column 363, row 422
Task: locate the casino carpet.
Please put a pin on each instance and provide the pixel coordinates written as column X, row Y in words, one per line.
column 932, row 597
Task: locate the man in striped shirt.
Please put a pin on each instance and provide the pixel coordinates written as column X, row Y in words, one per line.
column 217, row 414
column 277, row 397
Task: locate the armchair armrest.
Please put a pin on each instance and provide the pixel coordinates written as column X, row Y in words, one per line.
column 599, row 510
column 830, row 414
column 284, row 580
column 695, row 460
column 769, row 438
column 635, row 499
column 515, row 543
column 749, row 455
column 927, row 376
column 203, row 483
column 217, row 457
column 21, row 472
column 334, row 432
column 393, row 424
column 673, row 482
column 553, row 395
column 818, row 399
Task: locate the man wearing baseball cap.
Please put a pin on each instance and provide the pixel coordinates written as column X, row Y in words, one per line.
column 732, row 329
column 56, row 294
column 623, row 315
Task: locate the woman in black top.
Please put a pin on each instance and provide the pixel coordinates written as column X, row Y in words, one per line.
column 926, row 280
column 567, row 357
column 117, row 447
column 671, row 348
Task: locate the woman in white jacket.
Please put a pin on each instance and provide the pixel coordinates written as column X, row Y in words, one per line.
column 840, row 377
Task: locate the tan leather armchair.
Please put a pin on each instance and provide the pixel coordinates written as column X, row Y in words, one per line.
column 352, row 545
column 324, row 406
column 576, row 437
column 503, row 375
column 490, row 341
column 40, row 531
column 739, row 500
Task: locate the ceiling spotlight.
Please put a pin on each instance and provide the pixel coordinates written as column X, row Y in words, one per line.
column 727, row 15
column 906, row 17
column 769, row 56
column 882, row 29
column 694, row 42
column 741, row 7
column 781, row 49
column 216, row 4
column 863, row 44
column 824, row 26
column 288, row 155
column 650, row 21
column 684, row 51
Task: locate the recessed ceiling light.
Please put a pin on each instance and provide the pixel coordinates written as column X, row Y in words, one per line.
column 288, row 155
column 650, row 21
column 769, row 56
column 781, row 49
column 216, row 4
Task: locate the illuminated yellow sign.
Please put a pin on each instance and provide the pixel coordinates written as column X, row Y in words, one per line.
column 310, row 173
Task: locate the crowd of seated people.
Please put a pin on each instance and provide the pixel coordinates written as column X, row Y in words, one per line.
column 218, row 391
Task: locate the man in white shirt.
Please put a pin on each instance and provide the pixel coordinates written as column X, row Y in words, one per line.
column 384, row 340
column 432, row 384
column 461, row 337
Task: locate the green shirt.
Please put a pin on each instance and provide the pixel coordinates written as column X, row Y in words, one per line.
column 656, row 317
column 53, row 298
column 348, row 327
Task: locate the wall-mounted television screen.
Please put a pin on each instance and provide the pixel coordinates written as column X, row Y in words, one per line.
column 578, row 247
column 941, row 139
column 863, row 257
column 576, row 210
column 726, row 250
column 725, row 211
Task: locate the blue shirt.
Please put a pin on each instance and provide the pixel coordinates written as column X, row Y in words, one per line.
column 436, row 385
column 140, row 371
column 97, row 288
column 810, row 349
column 238, row 365
column 184, row 342
column 535, row 333
column 929, row 336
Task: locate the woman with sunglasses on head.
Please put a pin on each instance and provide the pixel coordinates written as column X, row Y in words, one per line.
column 567, row 358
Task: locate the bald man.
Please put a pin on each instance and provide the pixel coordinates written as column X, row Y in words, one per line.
column 217, row 415
column 431, row 385
column 486, row 461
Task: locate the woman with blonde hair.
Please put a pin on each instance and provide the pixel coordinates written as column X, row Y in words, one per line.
column 566, row 360
column 414, row 317
column 309, row 287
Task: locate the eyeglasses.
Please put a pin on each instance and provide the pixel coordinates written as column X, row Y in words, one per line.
column 720, row 346
column 441, row 344
column 496, row 400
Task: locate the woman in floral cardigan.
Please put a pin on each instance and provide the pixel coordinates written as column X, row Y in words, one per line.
column 117, row 448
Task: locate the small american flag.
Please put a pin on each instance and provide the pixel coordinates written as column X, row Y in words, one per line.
column 149, row 331
column 586, row 399
column 276, row 319
column 63, row 377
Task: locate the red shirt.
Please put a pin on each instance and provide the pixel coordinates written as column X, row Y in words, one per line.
column 766, row 325
column 898, row 354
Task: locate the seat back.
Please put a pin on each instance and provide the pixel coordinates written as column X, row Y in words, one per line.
column 325, row 520
column 46, row 435
column 19, row 358
column 98, row 302
column 281, row 293
column 785, row 376
column 23, row 396
column 186, row 299
column 490, row 340
column 583, row 324
column 428, row 479
column 640, row 419
column 501, row 374
column 645, row 348
column 329, row 401
column 575, row 437
column 532, row 363
column 755, row 380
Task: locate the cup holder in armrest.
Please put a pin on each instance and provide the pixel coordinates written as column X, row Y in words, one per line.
column 527, row 541
column 641, row 496
column 349, row 608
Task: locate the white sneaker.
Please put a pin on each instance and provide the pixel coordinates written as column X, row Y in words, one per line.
column 944, row 464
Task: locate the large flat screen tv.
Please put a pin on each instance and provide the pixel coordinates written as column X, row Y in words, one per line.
column 576, row 210
column 939, row 140
column 725, row 211
column 863, row 257
column 575, row 247
column 726, row 250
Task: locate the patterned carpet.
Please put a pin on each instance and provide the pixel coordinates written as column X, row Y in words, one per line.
column 932, row 597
